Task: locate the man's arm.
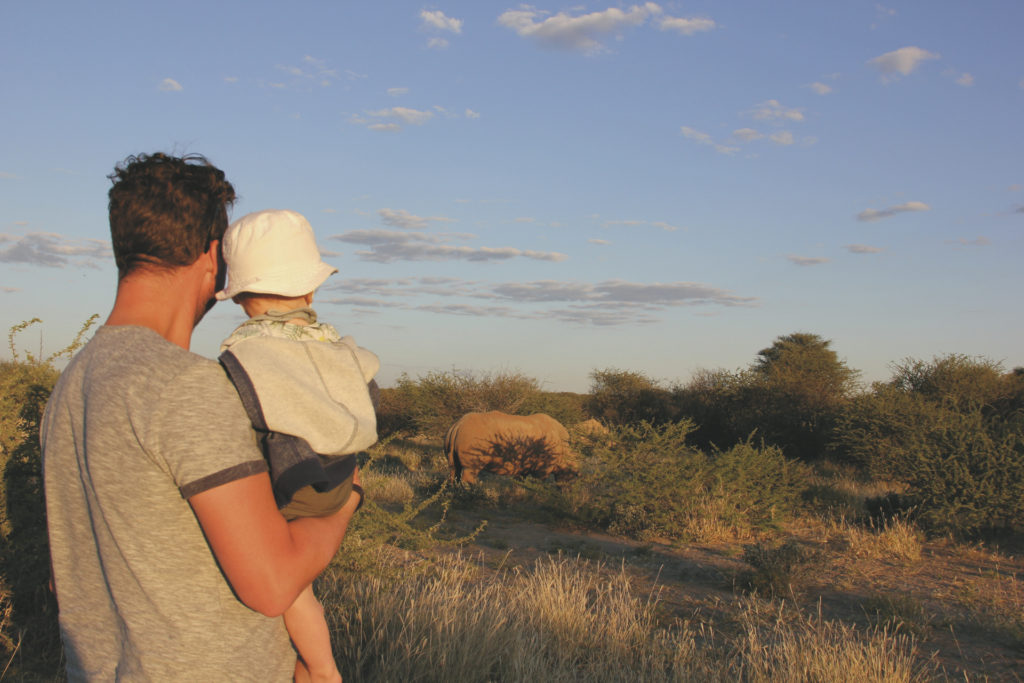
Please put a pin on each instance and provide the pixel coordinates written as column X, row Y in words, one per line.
column 267, row 560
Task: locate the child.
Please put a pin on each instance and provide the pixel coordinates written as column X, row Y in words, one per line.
column 307, row 389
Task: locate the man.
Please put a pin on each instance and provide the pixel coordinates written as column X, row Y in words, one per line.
column 168, row 550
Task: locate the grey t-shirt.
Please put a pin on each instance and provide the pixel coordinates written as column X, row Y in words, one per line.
column 134, row 427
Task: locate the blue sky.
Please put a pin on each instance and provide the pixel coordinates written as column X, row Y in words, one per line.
column 550, row 188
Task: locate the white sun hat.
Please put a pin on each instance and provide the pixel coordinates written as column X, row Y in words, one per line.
column 272, row 252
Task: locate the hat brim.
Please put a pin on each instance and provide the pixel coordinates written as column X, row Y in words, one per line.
column 280, row 283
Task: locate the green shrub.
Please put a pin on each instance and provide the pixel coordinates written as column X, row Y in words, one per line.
column 949, row 430
column 645, row 481
column 624, row 397
column 29, row 636
column 564, row 406
column 436, row 400
column 777, row 570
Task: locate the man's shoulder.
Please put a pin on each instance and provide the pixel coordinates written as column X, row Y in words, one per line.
column 139, row 357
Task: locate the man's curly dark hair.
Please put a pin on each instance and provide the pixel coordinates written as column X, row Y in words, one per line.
column 165, row 210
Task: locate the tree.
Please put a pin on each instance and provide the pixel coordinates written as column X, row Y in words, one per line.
column 801, row 386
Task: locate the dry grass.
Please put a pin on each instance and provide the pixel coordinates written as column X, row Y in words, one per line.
column 993, row 603
column 387, row 488
column 570, row 620
column 775, row 646
column 897, row 541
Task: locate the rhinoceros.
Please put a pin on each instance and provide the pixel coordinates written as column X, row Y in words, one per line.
column 507, row 444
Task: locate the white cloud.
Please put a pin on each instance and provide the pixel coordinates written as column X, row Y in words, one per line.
column 902, row 61
column 582, row 32
column 438, row 21
column 436, row 43
column 862, row 249
column 773, row 110
column 687, row 27
column 747, row 134
column 820, row 88
column 782, row 138
column 806, row 260
column 598, row 242
column 470, row 114
column 170, row 85
column 9, row 290
column 231, row 79
column 705, row 139
column 400, row 218
column 878, row 214
column 966, row 80
column 413, row 117
column 396, row 92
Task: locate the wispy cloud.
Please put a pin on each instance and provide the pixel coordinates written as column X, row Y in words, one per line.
column 397, row 92
column 7, row 176
column 820, row 88
column 392, row 118
column 747, row 134
column 470, row 114
column 869, row 215
column 400, row 218
column 960, row 78
column 10, row 290
column 977, row 242
column 598, row 242
column 413, row 117
column 862, row 249
column 686, row 26
column 806, row 260
column 773, row 110
column 388, row 246
column 705, row 139
column 53, row 250
column 311, row 72
column 783, row 137
column 611, row 302
column 170, row 85
column 587, row 33
column 901, row 62
column 661, row 225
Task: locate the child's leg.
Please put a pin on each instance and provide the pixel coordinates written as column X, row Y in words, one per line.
column 308, row 630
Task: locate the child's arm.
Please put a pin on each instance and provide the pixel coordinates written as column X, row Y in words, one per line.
column 308, row 630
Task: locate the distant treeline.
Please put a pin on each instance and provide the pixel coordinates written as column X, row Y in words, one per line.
column 949, row 431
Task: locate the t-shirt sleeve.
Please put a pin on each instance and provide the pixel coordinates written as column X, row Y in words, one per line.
column 201, row 432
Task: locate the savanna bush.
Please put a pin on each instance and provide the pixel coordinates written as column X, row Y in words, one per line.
column 624, row 397
column 951, row 430
column 433, row 402
column 790, row 397
column 646, row 481
column 29, row 638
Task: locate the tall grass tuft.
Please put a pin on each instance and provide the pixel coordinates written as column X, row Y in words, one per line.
column 567, row 620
